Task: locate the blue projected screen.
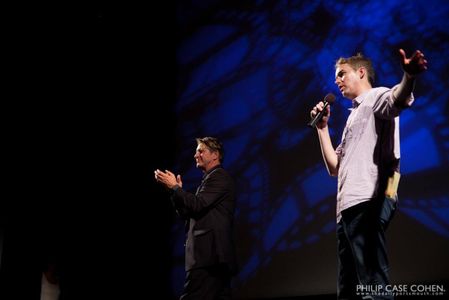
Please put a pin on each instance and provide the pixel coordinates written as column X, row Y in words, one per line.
column 250, row 72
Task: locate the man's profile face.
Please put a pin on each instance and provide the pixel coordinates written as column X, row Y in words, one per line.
column 205, row 159
column 347, row 79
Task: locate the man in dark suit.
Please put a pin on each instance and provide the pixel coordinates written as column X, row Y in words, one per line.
column 209, row 213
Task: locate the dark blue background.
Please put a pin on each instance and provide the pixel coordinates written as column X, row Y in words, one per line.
column 249, row 73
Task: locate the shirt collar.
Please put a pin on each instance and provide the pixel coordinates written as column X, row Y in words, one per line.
column 359, row 99
column 211, row 170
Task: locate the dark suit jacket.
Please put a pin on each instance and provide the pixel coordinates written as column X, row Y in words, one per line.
column 209, row 214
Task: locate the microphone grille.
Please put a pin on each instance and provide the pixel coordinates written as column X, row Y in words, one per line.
column 329, row 98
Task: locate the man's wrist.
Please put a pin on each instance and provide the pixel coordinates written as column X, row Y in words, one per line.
column 408, row 76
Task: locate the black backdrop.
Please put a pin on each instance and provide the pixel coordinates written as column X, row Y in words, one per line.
column 89, row 120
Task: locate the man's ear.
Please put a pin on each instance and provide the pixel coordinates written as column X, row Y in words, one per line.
column 361, row 72
column 216, row 155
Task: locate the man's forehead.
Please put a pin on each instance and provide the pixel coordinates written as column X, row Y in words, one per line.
column 342, row 67
column 201, row 146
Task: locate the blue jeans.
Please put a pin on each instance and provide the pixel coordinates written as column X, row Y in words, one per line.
column 362, row 255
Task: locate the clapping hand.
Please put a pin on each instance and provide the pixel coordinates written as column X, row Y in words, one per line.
column 167, row 178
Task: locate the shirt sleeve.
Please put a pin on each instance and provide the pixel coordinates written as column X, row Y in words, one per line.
column 384, row 105
column 212, row 191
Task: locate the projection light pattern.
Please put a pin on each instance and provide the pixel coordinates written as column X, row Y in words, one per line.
column 250, row 74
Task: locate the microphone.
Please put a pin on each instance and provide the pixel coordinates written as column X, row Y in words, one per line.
column 329, row 99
